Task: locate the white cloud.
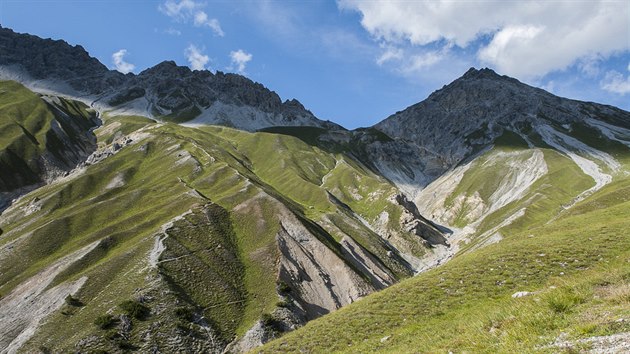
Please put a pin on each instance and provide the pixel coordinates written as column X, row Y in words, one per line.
column 173, row 32
column 119, row 62
column 391, row 53
column 549, row 86
column 240, row 59
column 201, row 20
column 520, row 38
column 179, row 10
column 186, row 10
column 589, row 65
column 615, row 82
column 196, row 58
column 508, row 43
column 424, row 60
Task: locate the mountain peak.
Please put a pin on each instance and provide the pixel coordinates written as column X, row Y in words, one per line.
column 485, row 73
column 485, row 104
column 474, row 73
column 167, row 67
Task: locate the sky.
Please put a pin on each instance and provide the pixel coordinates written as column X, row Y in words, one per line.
column 354, row 62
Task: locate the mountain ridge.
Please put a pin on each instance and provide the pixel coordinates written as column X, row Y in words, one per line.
column 188, row 220
column 165, row 91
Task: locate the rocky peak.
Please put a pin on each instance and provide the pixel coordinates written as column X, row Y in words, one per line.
column 481, row 105
column 167, row 68
column 165, row 91
column 54, row 60
column 485, row 73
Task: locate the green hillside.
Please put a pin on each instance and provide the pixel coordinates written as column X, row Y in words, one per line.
column 207, row 239
column 577, row 270
column 170, row 237
column 37, row 136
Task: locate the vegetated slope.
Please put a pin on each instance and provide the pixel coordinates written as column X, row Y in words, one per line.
column 41, row 137
column 248, row 235
column 507, row 171
column 506, row 155
column 181, row 238
column 559, row 285
column 166, row 91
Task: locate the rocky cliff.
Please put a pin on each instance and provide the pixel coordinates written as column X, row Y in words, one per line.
column 165, row 92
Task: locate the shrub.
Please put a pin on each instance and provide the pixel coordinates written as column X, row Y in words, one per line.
column 104, row 321
column 284, row 304
column 72, row 301
column 134, row 309
column 283, row 288
column 184, row 313
column 270, row 322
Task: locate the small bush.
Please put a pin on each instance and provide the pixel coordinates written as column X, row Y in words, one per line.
column 284, row 304
column 270, row 322
column 266, row 319
column 72, row 301
column 103, row 322
column 283, row 288
column 184, row 313
column 134, row 309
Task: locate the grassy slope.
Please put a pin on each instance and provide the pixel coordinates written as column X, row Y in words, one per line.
column 227, row 167
column 24, row 121
column 466, row 305
column 26, row 133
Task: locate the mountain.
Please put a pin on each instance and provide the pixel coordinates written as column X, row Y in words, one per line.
column 179, row 210
column 208, row 230
column 476, row 109
column 534, row 188
column 166, row 91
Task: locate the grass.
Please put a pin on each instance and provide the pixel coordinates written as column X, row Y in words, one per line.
column 28, row 136
column 225, row 192
column 466, row 305
column 237, row 186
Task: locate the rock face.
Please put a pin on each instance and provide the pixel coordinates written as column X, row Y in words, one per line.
column 32, row 59
column 479, row 107
column 166, row 91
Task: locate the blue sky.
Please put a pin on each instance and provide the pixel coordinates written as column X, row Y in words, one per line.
column 354, row 62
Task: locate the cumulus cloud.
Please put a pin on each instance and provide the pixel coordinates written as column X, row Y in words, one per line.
column 520, row 38
column 187, row 10
column 119, row 62
column 201, row 20
column 615, row 82
column 240, row 59
column 196, row 58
